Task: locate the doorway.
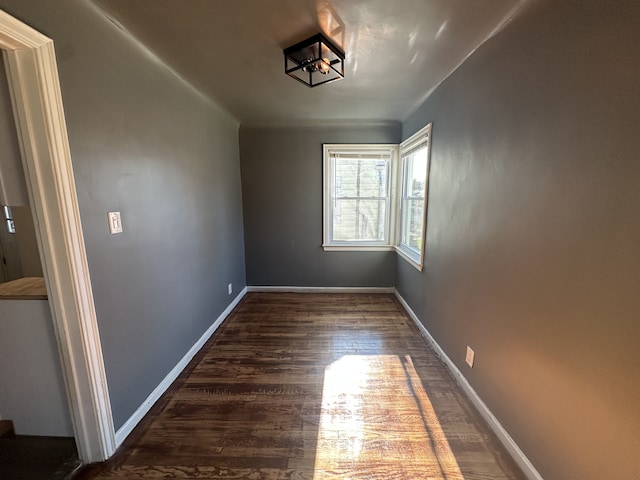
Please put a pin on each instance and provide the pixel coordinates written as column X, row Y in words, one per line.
column 19, row 256
column 29, row 58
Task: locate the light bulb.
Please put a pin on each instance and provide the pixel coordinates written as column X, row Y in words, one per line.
column 324, row 66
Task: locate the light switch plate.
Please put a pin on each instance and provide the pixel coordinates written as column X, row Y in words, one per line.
column 115, row 224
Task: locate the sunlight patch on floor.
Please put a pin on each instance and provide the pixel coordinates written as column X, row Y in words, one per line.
column 377, row 422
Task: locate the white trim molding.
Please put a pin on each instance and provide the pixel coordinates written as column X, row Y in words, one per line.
column 321, row 289
column 507, row 441
column 363, row 248
column 37, row 103
column 124, row 431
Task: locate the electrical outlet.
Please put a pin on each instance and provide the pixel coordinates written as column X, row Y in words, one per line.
column 230, row 288
column 470, row 356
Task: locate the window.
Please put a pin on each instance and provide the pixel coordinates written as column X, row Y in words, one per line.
column 358, row 196
column 414, row 155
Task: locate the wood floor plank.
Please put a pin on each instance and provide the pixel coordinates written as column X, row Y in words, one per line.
column 316, row 387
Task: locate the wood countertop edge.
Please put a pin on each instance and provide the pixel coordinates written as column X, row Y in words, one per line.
column 28, row 288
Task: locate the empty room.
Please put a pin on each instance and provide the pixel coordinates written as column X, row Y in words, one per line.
column 308, row 239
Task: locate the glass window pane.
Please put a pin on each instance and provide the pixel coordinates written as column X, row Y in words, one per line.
column 362, row 177
column 416, row 173
column 359, row 220
column 412, row 219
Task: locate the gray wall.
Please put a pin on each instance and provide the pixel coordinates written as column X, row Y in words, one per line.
column 533, row 233
column 27, row 241
column 144, row 143
column 19, row 251
column 32, row 391
column 282, row 198
column 13, row 189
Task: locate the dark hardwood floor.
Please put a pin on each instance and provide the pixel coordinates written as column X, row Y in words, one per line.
column 313, row 386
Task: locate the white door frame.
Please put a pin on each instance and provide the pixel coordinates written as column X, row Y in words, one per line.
column 42, row 132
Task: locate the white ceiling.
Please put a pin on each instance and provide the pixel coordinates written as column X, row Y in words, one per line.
column 397, row 51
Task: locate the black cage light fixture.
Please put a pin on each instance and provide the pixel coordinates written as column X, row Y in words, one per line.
column 314, row 61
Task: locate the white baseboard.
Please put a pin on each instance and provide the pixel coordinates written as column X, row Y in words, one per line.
column 322, row 289
column 124, row 431
column 518, row 455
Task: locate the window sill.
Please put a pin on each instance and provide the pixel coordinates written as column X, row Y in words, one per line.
column 417, row 265
column 358, row 248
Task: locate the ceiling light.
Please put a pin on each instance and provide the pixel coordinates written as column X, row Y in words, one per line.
column 314, row 61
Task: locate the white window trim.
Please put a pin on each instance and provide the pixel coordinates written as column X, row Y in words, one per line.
column 358, row 248
column 409, row 144
column 389, row 243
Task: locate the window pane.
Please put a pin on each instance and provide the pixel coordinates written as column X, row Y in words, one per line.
column 359, row 220
column 412, row 218
column 361, row 177
column 416, row 173
column 415, row 177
